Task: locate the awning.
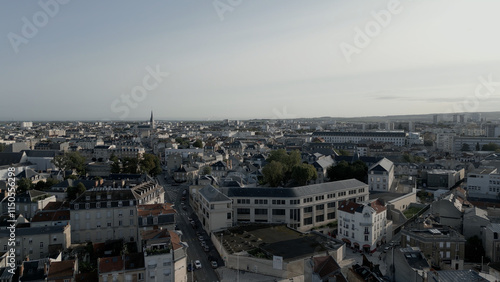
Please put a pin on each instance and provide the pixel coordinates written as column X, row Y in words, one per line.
column 346, row 240
column 356, row 244
column 366, row 246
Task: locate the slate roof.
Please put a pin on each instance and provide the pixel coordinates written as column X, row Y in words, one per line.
column 41, row 216
column 212, row 194
column 294, row 192
column 40, row 153
column 383, row 165
column 459, row 275
column 10, row 158
column 34, row 231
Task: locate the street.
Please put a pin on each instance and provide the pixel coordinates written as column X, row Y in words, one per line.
column 173, row 194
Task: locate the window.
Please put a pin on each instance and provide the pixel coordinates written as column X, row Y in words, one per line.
column 120, row 223
column 131, row 221
column 243, row 211
column 141, row 276
column 320, row 207
column 366, row 237
column 77, row 216
column 243, row 201
column 278, row 202
column 331, row 205
column 294, row 202
column 120, row 213
column 260, row 202
column 331, row 215
column 308, row 200
column 308, row 221
column 30, row 241
column 448, row 245
column 109, row 224
column 308, row 209
column 98, row 215
column 228, row 215
column 260, row 211
column 87, row 205
column 319, row 198
column 278, row 212
column 441, row 244
column 98, row 205
column 87, row 215
column 98, row 197
column 108, row 204
column 120, row 203
column 131, row 212
column 320, row 218
column 41, row 245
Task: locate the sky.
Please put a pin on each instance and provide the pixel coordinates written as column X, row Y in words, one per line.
column 242, row 59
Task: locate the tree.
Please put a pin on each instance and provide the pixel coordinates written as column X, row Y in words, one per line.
column 70, row 160
column 474, row 249
column 490, row 147
column 74, row 191
column 198, row 143
column 130, row 165
column 150, row 164
column 465, row 147
column 345, row 170
column 303, row 173
column 207, row 170
column 115, row 166
column 273, row 173
column 23, row 185
column 2, row 147
column 478, row 147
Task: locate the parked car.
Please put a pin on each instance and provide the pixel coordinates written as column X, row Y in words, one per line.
column 197, row 264
column 206, row 248
column 200, row 237
column 190, row 267
column 386, row 249
column 214, row 264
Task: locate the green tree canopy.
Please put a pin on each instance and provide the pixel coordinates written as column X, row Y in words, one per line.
column 303, row 173
column 273, row 173
column 198, row 143
column 465, row 147
column 23, row 185
column 345, row 170
column 70, row 160
column 491, row 147
column 150, row 164
column 207, row 170
column 115, row 166
column 74, row 191
column 130, row 165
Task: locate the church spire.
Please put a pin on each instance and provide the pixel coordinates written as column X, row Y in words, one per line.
column 152, row 121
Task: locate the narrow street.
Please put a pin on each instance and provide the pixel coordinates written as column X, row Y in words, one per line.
column 173, row 194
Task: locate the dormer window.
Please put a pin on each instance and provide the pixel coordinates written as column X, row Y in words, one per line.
column 87, row 198
column 120, row 203
column 98, row 197
column 109, row 196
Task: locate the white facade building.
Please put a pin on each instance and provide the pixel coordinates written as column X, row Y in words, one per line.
column 484, row 183
column 381, row 175
column 397, row 138
column 364, row 226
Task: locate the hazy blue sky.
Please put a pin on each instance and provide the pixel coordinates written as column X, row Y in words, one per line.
column 246, row 59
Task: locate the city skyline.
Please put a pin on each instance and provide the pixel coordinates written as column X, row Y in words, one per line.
column 67, row 60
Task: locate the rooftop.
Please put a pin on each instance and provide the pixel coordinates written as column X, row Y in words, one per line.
column 265, row 241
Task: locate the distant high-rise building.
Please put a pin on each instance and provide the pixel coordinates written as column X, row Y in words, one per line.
column 462, row 118
column 434, row 119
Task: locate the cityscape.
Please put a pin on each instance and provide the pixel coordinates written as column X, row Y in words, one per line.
column 233, row 140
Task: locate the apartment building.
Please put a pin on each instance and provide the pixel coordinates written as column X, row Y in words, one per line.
column 484, row 183
column 381, row 175
column 364, row 226
column 105, row 213
column 301, row 208
column 214, row 209
column 441, row 245
column 37, row 242
column 396, row 138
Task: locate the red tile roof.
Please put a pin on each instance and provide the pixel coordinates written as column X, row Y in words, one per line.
column 61, row 269
column 110, row 264
column 51, row 216
column 155, row 209
column 348, row 206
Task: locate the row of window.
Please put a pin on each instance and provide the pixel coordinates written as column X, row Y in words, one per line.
column 98, row 214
